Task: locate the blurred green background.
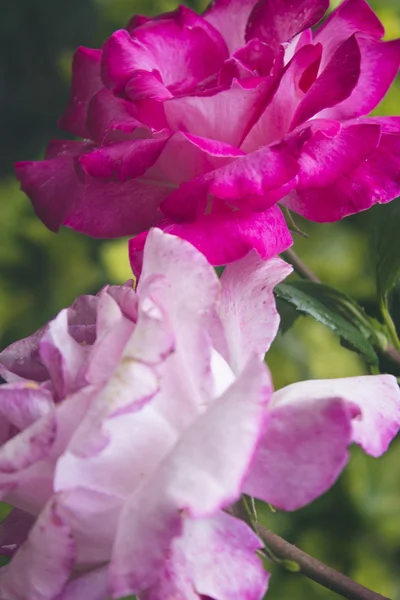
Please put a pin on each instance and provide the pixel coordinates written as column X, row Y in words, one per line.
column 356, row 526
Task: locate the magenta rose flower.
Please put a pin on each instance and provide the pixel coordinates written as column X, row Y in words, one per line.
column 201, row 124
column 135, row 419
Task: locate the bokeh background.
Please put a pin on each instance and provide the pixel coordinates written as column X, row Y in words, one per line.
column 356, row 526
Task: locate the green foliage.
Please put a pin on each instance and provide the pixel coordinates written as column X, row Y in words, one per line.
column 356, row 526
column 387, row 247
column 334, row 310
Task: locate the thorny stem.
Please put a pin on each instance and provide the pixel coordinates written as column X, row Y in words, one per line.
column 314, row 569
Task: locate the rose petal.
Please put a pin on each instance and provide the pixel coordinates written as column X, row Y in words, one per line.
column 351, row 16
column 376, row 180
column 90, row 586
column 229, row 17
column 276, row 119
column 178, row 45
column 247, row 308
column 225, row 116
column 226, row 237
column 325, row 157
column 302, row 452
column 334, row 84
column 21, row 359
column 380, row 63
column 111, row 118
column 214, row 558
column 202, row 474
column 43, row 563
column 86, row 81
column 278, row 21
column 62, row 355
column 45, row 180
column 123, row 161
column 21, row 404
column 310, row 425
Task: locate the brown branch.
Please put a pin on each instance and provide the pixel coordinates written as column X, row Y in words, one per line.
column 392, row 354
column 300, row 267
column 314, row 569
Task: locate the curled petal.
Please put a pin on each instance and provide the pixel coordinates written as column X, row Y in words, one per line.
column 21, row 359
column 203, row 473
column 214, row 558
column 226, row 115
column 335, row 83
column 21, row 404
column 28, row 447
column 62, row 355
column 248, row 313
column 45, row 180
column 276, row 119
column 178, row 45
column 229, row 17
column 278, row 21
column 302, row 452
column 111, row 118
column 380, row 63
column 226, row 237
column 351, row 16
column 90, row 586
column 327, row 156
column 375, row 180
column 123, row 161
column 375, row 401
column 86, row 81
column 309, row 427
column 43, row 563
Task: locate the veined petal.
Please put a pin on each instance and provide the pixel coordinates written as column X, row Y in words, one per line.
column 278, row 21
column 277, row 117
column 230, row 17
column 43, row 563
column 326, row 157
column 90, row 586
column 21, row 359
column 226, row 237
column 309, row 427
column 86, row 81
column 178, row 45
column 247, row 308
column 375, row 180
column 380, row 63
column 62, row 355
column 187, row 301
column 225, row 116
column 214, row 558
column 111, row 118
column 374, row 399
column 335, row 83
column 122, row 161
column 202, row 474
column 351, row 16
column 45, row 180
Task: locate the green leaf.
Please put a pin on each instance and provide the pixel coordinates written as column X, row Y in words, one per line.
column 287, row 313
column 387, row 247
column 336, row 311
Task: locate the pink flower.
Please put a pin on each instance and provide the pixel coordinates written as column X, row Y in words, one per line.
column 133, row 420
column 201, row 124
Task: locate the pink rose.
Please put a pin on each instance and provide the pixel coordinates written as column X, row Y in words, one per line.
column 201, row 124
column 135, row 419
